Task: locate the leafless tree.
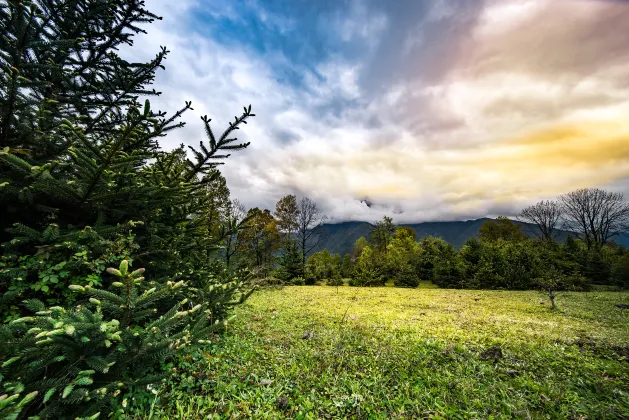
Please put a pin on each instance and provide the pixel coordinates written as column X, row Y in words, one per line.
column 544, row 215
column 309, row 231
column 233, row 218
column 595, row 215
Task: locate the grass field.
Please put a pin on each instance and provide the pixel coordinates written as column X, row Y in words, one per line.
column 326, row 352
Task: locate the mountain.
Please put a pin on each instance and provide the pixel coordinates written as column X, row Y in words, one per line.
column 340, row 237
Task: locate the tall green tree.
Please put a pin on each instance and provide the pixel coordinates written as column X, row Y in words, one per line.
column 347, row 266
column 369, row 269
column 84, row 184
column 81, row 163
column 289, row 261
column 381, row 234
column 287, row 213
column 358, row 247
column 403, row 258
column 260, row 240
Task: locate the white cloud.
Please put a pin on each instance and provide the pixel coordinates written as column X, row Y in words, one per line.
column 436, row 152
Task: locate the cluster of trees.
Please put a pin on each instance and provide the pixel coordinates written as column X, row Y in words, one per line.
column 502, row 257
column 273, row 244
column 86, row 193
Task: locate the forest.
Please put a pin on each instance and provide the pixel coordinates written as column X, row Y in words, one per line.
column 124, row 263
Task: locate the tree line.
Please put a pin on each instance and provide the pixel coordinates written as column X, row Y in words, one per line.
column 502, row 257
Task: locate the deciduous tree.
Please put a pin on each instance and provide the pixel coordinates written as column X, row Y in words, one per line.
column 545, row 216
column 309, row 227
column 595, row 215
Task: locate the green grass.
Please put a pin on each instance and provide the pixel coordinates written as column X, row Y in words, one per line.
column 397, row 353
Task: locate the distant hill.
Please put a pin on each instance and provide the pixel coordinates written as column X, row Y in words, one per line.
column 341, row 236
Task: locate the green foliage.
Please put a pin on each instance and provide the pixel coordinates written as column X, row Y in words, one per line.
column 75, row 360
column 447, row 268
column 551, row 281
column 286, row 213
column 289, row 264
column 595, row 267
column 334, row 282
column 82, row 170
column 406, row 276
column 347, row 267
column 381, row 234
column 86, row 185
column 298, row 281
column 620, row 271
column 501, row 228
column 359, row 245
column 260, row 240
column 403, row 258
column 430, row 250
column 78, row 258
column 369, row 269
column 323, row 266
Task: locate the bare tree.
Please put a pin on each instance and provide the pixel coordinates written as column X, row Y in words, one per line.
column 595, row 215
column 233, row 221
column 309, row 231
column 546, row 216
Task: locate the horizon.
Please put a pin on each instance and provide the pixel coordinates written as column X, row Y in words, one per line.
column 426, row 112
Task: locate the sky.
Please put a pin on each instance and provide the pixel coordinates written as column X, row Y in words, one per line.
column 419, row 110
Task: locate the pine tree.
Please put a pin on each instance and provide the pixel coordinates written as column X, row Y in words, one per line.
column 289, row 262
column 85, row 184
column 80, row 163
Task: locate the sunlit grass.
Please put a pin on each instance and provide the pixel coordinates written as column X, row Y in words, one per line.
column 399, row 353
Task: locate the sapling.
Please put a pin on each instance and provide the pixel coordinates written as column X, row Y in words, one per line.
column 552, row 281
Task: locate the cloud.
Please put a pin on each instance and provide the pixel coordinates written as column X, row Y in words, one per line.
column 428, row 110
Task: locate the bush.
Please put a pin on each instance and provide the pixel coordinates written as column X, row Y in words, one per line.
column 620, row 272
column 368, row 270
column 406, row 276
column 298, row 281
column 334, row 282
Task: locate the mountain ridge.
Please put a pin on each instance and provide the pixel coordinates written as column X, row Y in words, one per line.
column 340, row 237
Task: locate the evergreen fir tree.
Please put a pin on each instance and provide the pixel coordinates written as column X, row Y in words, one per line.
column 84, row 184
column 290, row 262
column 80, row 163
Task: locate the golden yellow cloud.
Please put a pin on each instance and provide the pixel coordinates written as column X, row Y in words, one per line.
column 543, row 162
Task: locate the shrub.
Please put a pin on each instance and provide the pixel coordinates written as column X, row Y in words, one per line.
column 406, row 276
column 620, row 272
column 334, row 282
column 368, row 270
column 298, row 281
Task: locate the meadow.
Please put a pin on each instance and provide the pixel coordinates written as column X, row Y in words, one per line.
column 344, row 352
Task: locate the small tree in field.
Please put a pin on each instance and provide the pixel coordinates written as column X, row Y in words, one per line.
column 552, row 281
